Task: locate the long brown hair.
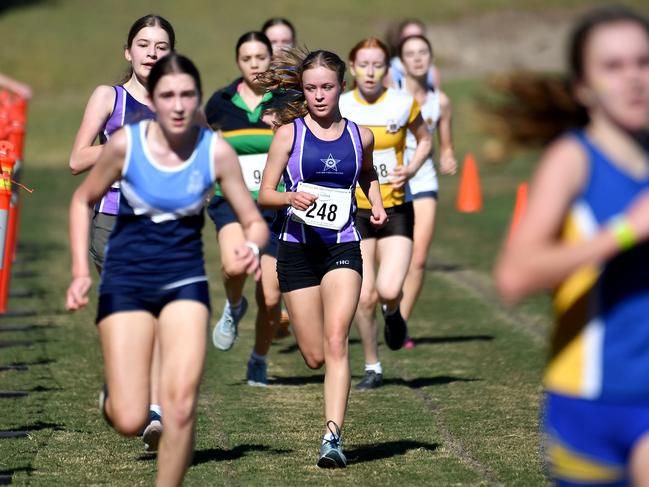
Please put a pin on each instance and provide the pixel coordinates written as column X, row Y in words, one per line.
column 150, row 20
column 284, row 80
column 531, row 109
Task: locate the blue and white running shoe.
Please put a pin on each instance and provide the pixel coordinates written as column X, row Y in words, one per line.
column 256, row 375
column 226, row 331
column 331, row 452
column 152, row 432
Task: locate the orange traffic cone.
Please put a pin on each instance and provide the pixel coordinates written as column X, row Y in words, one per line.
column 519, row 209
column 469, row 197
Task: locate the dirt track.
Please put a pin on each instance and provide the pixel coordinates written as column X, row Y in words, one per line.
column 501, row 41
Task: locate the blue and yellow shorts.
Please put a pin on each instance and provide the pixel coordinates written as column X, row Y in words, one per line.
column 589, row 442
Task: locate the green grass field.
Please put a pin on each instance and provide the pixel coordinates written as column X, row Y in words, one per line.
column 459, row 409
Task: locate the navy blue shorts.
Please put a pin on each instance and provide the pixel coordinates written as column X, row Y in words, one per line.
column 222, row 214
column 304, row 265
column 409, row 196
column 151, row 301
column 589, row 442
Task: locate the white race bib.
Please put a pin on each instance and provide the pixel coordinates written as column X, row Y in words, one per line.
column 385, row 161
column 252, row 167
column 330, row 210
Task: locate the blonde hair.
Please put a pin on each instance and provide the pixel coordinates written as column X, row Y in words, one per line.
column 284, row 80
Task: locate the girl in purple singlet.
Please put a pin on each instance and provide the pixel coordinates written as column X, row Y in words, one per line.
column 322, row 157
column 109, row 108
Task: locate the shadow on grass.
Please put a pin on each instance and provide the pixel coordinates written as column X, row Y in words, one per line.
column 18, row 328
column 221, row 455
column 420, row 382
column 417, row 383
column 45, row 389
column 39, row 426
column 6, row 474
column 16, row 343
column 25, row 343
column 444, row 267
column 381, row 451
column 296, row 381
column 294, row 348
column 42, row 361
column 452, row 339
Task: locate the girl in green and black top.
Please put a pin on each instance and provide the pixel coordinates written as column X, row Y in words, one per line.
column 237, row 112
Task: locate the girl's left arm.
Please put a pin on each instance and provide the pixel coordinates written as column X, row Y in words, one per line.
column 105, row 172
column 447, row 162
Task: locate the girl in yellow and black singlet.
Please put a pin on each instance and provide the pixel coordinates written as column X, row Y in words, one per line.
column 389, row 114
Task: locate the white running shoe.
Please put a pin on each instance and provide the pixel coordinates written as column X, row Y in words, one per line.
column 226, row 330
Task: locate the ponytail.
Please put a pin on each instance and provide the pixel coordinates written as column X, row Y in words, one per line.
column 284, row 80
column 530, row 109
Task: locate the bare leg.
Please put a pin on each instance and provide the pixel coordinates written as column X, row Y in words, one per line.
column 230, row 237
column 305, row 309
column 183, row 335
column 155, row 372
column 127, row 344
column 394, row 259
column 425, row 215
column 268, row 302
column 340, row 290
column 365, row 313
column 639, row 463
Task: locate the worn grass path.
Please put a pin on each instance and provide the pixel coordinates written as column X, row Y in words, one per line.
column 459, row 409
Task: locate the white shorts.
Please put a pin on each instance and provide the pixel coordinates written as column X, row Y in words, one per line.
column 423, row 184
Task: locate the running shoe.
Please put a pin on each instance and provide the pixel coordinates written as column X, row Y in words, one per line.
column 225, row 331
column 331, row 451
column 372, row 380
column 409, row 343
column 152, row 432
column 396, row 329
column 256, row 373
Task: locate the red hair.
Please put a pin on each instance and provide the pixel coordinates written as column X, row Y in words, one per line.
column 368, row 43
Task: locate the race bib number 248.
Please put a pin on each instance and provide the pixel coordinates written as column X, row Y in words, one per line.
column 330, row 210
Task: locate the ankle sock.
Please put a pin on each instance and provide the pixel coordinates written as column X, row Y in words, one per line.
column 374, row 368
column 330, row 436
column 257, row 358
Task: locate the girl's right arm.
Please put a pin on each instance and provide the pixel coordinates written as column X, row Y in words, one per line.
column 368, row 180
column 534, row 258
column 236, row 193
column 104, row 173
column 100, row 105
column 278, row 154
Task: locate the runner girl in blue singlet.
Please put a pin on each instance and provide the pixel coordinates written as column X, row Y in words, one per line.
column 585, row 234
column 397, row 73
column 322, row 157
column 154, row 281
column 110, row 107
